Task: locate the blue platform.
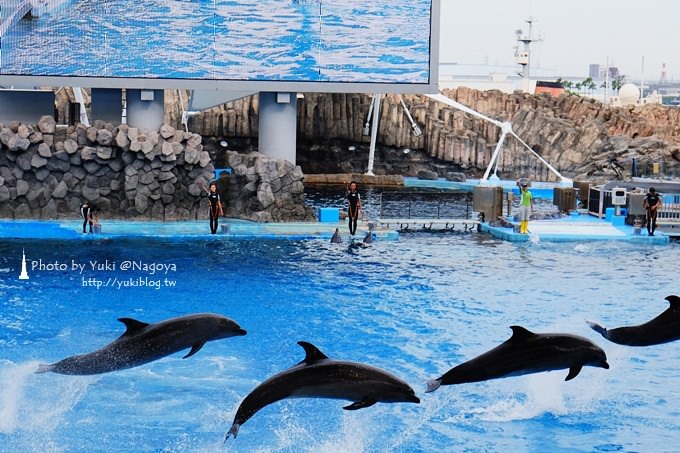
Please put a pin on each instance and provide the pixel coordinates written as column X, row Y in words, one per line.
column 576, row 228
column 229, row 229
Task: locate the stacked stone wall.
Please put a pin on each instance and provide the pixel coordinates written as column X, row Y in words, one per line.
column 48, row 172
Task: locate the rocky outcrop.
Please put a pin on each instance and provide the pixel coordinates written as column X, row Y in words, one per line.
column 48, row 172
column 578, row 136
column 263, row 189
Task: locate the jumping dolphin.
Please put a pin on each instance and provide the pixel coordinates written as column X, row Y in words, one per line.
column 662, row 329
column 336, row 238
column 525, row 353
column 317, row 376
column 143, row 343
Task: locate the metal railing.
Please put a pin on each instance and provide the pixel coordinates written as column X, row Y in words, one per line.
column 422, row 204
column 669, row 213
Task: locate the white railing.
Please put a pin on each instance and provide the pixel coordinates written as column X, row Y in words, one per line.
column 669, row 213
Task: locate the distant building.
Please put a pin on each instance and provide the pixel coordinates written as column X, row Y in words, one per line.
column 599, row 71
column 554, row 89
column 488, row 77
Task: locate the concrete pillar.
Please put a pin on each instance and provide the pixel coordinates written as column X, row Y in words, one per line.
column 278, row 119
column 145, row 108
column 107, row 105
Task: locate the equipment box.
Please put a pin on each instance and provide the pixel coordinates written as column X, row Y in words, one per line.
column 329, row 214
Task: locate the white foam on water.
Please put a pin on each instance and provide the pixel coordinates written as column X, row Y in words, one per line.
column 13, row 382
column 353, row 435
column 543, row 393
column 583, row 247
column 32, row 406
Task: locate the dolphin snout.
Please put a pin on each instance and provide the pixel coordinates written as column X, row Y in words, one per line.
column 605, row 365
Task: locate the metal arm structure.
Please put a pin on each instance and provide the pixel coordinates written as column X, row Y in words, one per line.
column 374, row 132
column 416, row 129
column 506, row 128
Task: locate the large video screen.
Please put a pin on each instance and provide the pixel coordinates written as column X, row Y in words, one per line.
column 220, row 41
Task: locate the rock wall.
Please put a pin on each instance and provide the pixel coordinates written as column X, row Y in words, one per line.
column 578, row 136
column 264, row 189
column 47, row 173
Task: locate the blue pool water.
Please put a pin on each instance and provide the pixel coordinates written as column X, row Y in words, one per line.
column 415, row 307
column 276, row 40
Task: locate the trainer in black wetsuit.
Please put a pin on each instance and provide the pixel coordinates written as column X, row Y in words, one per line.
column 215, row 207
column 651, row 203
column 87, row 213
column 354, row 207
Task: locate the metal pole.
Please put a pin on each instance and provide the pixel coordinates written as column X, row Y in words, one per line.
column 374, row 133
column 494, row 156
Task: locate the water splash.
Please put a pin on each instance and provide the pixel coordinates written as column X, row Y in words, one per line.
column 32, row 407
column 543, row 393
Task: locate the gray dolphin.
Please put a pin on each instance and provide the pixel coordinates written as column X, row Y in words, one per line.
column 143, row 343
column 662, row 329
column 336, row 238
column 317, row 376
column 525, row 353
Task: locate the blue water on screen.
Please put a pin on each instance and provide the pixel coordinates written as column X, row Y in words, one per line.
column 275, row 40
column 414, row 307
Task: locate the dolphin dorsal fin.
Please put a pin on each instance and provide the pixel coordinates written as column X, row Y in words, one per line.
column 312, row 353
column 133, row 326
column 674, row 300
column 519, row 333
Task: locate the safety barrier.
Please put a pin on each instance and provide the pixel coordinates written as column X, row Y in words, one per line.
column 669, row 213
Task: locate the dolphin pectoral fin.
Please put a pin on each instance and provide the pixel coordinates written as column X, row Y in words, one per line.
column 367, row 402
column 573, row 372
column 133, row 326
column 194, row 349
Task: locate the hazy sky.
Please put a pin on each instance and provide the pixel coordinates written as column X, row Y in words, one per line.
column 575, row 34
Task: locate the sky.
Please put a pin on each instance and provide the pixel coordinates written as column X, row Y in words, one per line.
column 575, row 33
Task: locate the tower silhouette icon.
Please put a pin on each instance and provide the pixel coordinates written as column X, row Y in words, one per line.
column 24, row 274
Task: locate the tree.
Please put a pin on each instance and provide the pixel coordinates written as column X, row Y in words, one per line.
column 617, row 83
column 589, row 84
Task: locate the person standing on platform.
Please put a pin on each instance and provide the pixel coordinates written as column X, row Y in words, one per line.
column 652, row 203
column 214, row 206
column 526, row 207
column 354, row 207
column 88, row 212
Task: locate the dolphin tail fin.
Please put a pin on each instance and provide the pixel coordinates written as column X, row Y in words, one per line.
column 367, row 402
column 432, row 385
column 42, row 368
column 573, row 372
column 194, row 349
column 232, row 431
column 598, row 328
